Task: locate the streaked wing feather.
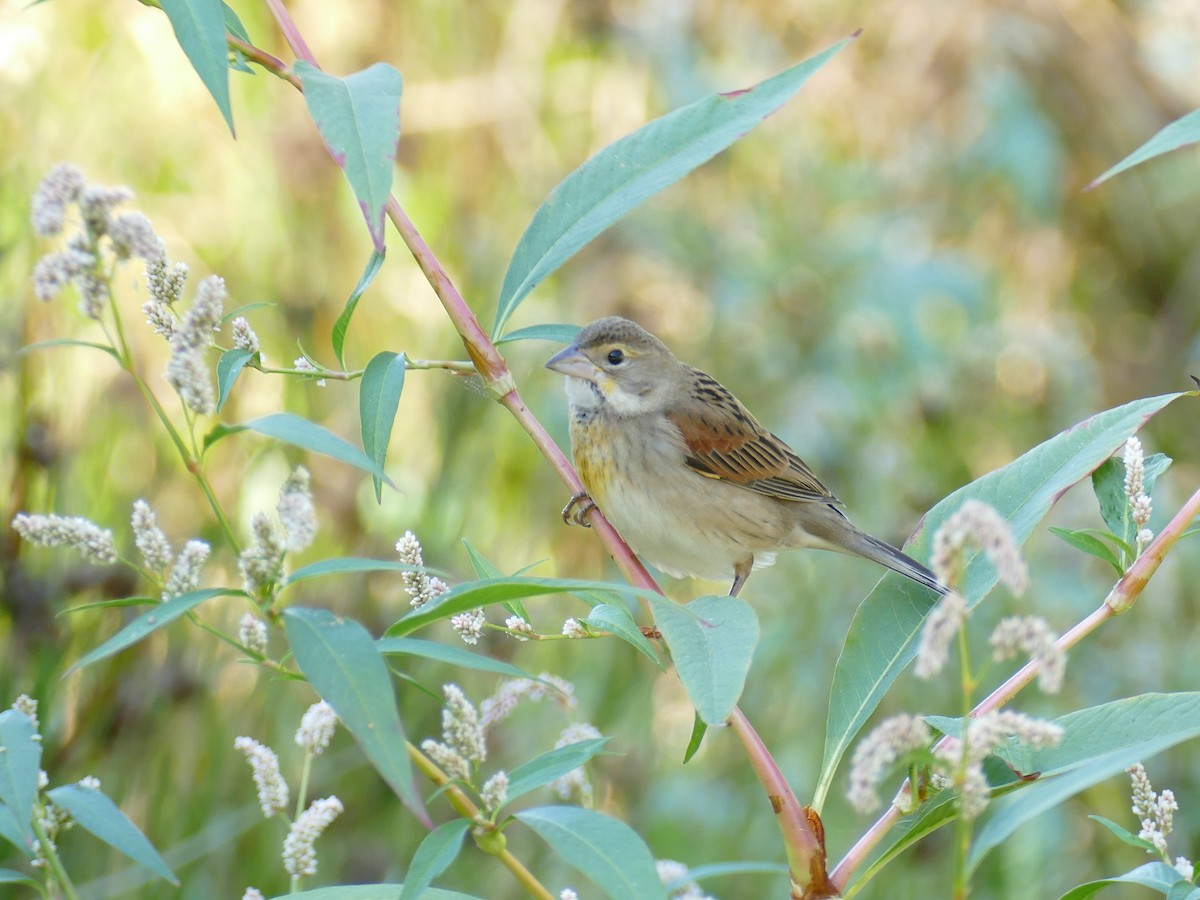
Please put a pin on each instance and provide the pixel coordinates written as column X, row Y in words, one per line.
column 724, row 441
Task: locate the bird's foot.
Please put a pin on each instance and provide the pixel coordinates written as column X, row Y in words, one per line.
column 577, row 508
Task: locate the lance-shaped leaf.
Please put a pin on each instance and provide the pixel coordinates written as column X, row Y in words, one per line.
column 1180, row 133
column 200, row 29
column 151, row 621
column 340, row 327
column 359, row 118
column 882, row 637
column 378, row 400
column 473, row 594
column 1108, row 482
column 229, row 366
column 94, row 812
column 712, row 642
column 636, row 167
column 1155, row 875
column 559, row 334
column 552, row 764
column 20, row 760
column 1097, row 743
column 305, row 434
column 617, row 620
column 339, row 658
column 437, row 851
column 604, row 849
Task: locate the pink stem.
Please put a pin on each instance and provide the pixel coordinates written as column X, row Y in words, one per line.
column 801, row 841
column 290, row 32
column 1120, row 599
column 805, row 848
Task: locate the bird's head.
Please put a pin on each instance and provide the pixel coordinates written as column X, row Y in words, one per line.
column 617, row 364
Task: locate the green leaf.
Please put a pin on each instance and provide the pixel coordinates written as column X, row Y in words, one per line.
column 11, row 876
column 633, row 169
column 1098, row 743
column 544, row 768
column 372, row 892
column 1089, row 543
column 607, row 851
column 473, row 594
column 1156, row 875
column 433, row 857
column 1180, row 133
column 882, row 637
column 20, row 760
column 305, row 434
column 10, row 830
column 485, row 568
column 234, row 25
column 559, row 334
column 339, row 658
column 353, row 565
column 229, row 366
column 200, row 29
column 378, row 400
column 929, row 817
column 359, row 118
column 712, row 642
column 455, row 656
column 93, row 811
column 150, row 621
column 699, row 729
column 110, row 604
column 616, row 620
column 343, row 320
column 70, row 342
column 1108, row 482
column 1124, row 834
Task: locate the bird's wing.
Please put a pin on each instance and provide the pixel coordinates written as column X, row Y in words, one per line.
column 724, row 441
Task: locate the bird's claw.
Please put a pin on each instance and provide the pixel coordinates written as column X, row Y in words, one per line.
column 577, row 508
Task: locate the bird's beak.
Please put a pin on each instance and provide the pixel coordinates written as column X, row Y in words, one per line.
column 572, row 362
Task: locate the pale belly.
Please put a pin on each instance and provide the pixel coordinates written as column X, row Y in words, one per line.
column 674, row 518
column 697, row 544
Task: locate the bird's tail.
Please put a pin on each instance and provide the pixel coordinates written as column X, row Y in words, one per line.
column 887, row 555
column 826, row 526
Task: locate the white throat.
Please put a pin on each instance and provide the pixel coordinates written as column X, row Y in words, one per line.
column 581, row 394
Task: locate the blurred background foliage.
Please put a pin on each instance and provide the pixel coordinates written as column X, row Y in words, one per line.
column 899, row 272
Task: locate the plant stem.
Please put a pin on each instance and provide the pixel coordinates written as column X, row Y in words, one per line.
column 962, row 825
column 468, row 810
column 805, row 850
column 302, row 793
column 50, row 854
column 190, row 459
column 499, row 382
column 1119, row 599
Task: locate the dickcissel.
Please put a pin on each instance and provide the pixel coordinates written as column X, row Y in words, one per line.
column 682, row 470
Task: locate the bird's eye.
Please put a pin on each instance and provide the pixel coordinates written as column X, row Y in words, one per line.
column 615, row 357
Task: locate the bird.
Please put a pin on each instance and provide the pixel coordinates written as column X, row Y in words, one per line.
column 683, row 471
